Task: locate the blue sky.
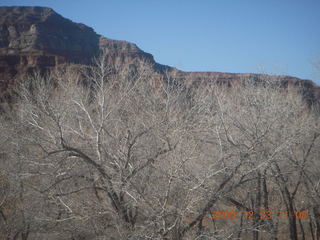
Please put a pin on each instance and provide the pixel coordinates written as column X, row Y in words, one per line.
column 271, row 36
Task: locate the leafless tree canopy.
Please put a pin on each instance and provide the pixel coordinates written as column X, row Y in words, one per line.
column 99, row 154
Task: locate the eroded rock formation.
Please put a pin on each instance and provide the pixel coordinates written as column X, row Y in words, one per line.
column 38, row 38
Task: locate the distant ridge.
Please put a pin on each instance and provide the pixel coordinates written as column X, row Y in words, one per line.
column 39, row 38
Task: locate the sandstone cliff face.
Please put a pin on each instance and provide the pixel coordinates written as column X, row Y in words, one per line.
column 37, row 38
column 40, row 31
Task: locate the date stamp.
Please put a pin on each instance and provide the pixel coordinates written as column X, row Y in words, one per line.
column 258, row 214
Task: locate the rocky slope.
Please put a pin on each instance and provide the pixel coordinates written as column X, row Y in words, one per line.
column 39, row 38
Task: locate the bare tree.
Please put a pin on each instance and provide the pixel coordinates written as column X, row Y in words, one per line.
column 101, row 153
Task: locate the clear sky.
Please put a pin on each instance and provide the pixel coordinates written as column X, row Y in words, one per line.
column 271, row 36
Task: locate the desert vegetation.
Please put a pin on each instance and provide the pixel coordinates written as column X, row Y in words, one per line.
column 99, row 154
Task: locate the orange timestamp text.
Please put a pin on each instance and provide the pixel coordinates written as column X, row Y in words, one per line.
column 257, row 214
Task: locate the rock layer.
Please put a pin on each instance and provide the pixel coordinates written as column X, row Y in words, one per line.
column 38, row 38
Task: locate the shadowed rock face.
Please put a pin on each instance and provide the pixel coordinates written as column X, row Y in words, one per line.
column 38, row 38
column 40, row 30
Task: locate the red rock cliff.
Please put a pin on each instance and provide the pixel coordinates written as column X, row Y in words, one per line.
column 38, row 38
